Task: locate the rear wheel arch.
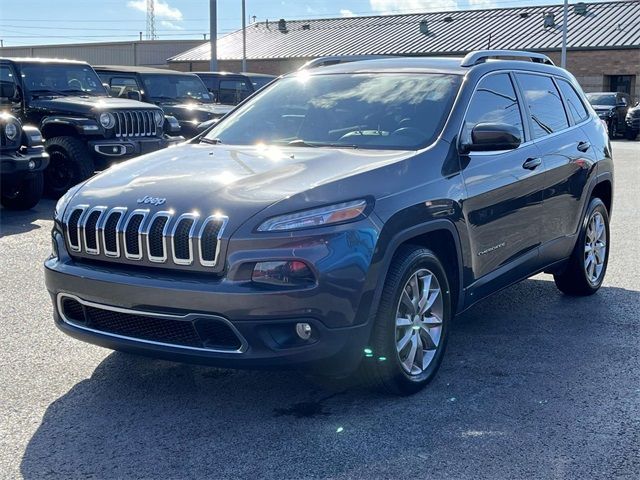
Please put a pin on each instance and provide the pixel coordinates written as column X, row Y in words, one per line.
column 603, row 190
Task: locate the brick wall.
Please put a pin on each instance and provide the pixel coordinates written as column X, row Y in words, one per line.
column 590, row 67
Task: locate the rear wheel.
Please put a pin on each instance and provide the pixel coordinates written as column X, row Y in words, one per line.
column 25, row 195
column 587, row 266
column 70, row 163
column 410, row 331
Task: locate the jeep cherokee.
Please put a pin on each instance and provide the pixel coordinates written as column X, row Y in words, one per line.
column 84, row 129
column 340, row 218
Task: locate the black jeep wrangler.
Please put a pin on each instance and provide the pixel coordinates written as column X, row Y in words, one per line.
column 22, row 160
column 84, row 129
column 182, row 95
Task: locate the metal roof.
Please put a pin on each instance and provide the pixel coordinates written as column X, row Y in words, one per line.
column 609, row 25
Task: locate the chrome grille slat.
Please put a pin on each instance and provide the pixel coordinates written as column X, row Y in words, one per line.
column 134, row 123
column 139, row 235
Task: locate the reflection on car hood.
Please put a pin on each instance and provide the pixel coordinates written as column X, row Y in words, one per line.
column 83, row 105
column 234, row 181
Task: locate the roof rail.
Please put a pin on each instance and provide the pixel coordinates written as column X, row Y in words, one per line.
column 335, row 59
column 481, row 56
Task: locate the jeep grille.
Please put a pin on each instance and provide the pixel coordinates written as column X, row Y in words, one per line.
column 140, row 236
column 135, row 123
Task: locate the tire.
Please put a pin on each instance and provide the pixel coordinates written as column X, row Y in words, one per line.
column 613, row 129
column 631, row 134
column 581, row 277
column 383, row 368
column 70, row 163
column 27, row 194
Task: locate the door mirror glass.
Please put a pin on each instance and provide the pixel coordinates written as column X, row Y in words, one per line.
column 7, row 90
column 134, row 95
column 494, row 136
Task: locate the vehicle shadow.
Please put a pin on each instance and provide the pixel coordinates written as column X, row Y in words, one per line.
column 522, row 374
column 14, row 222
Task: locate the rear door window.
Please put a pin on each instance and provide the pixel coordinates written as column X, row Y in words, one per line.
column 233, row 91
column 575, row 106
column 546, row 111
column 494, row 101
column 121, row 86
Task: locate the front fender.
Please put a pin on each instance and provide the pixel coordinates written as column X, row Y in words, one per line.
column 80, row 125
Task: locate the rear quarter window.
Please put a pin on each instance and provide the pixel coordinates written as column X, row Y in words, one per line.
column 575, row 106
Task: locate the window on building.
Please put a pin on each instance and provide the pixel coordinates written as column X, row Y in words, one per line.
column 621, row 83
column 494, row 101
column 576, row 108
column 545, row 105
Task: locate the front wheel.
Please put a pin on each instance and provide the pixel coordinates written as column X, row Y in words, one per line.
column 613, row 129
column 587, row 265
column 410, row 331
column 631, row 134
column 70, row 162
column 25, row 195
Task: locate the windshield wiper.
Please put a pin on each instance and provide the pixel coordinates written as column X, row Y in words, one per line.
column 303, row 143
column 44, row 92
column 211, row 141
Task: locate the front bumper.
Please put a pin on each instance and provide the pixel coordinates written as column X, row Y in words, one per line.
column 130, row 147
column 265, row 319
column 23, row 161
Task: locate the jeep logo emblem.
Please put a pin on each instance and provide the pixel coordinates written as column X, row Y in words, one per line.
column 157, row 201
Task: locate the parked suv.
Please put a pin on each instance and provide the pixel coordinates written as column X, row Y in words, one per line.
column 181, row 95
column 84, row 129
column 339, row 219
column 227, row 88
column 22, row 160
column 612, row 108
column 633, row 122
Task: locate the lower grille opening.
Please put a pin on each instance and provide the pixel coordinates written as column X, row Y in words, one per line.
column 205, row 333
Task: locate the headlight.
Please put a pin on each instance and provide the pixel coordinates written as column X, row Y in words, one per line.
column 338, row 213
column 61, row 206
column 107, row 120
column 159, row 118
column 11, row 130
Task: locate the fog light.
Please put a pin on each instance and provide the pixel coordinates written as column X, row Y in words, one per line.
column 31, row 164
column 292, row 274
column 303, row 330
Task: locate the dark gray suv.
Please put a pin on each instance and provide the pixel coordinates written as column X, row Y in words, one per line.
column 340, row 218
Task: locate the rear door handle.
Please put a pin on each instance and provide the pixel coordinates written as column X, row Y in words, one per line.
column 584, row 146
column 532, row 163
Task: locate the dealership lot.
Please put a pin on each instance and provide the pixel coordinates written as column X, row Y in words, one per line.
column 534, row 384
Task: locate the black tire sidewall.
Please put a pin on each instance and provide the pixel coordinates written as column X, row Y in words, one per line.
column 76, row 154
column 391, row 369
column 595, row 205
column 29, row 193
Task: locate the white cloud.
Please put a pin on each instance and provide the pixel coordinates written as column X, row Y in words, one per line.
column 386, row 7
column 161, row 9
column 170, row 25
column 347, row 13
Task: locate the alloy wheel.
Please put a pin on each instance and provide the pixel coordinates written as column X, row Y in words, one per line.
column 419, row 321
column 595, row 248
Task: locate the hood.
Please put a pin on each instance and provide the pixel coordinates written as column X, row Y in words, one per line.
column 200, row 112
column 234, row 181
column 84, row 105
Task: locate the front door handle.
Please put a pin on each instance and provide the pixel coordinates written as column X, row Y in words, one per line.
column 584, row 146
column 532, row 163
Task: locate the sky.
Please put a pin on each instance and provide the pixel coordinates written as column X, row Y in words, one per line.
column 36, row 22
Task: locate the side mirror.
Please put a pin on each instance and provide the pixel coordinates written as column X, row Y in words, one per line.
column 134, row 95
column 7, row 90
column 487, row 137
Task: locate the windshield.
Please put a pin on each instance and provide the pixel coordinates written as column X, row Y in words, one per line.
column 381, row 111
column 601, row 99
column 176, row 87
column 61, row 79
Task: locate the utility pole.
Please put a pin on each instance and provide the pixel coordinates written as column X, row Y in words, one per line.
column 565, row 27
column 213, row 34
column 244, row 37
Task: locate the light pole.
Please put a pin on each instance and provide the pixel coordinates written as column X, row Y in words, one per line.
column 244, row 37
column 213, row 34
column 563, row 54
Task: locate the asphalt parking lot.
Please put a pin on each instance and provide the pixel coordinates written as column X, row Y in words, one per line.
column 534, row 385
